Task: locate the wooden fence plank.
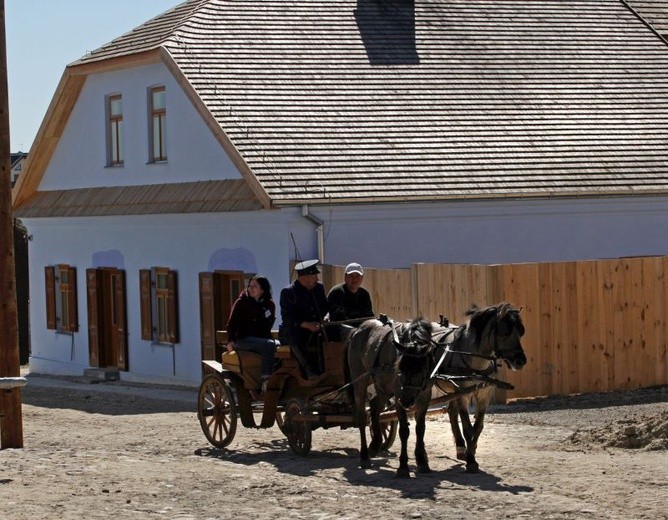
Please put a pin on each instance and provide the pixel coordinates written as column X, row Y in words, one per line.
column 591, row 325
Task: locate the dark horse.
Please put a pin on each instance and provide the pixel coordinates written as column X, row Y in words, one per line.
column 397, row 358
column 468, row 355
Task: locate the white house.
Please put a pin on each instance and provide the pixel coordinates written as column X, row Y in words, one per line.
column 224, row 138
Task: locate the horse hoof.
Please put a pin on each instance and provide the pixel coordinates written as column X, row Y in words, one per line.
column 472, row 468
column 403, row 473
column 424, row 469
column 461, row 453
column 365, row 464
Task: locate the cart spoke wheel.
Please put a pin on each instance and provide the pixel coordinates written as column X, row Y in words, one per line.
column 388, row 432
column 280, row 422
column 297, row 432
column 217, row 410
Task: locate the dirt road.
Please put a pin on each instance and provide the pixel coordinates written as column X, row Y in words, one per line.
column 97, row 450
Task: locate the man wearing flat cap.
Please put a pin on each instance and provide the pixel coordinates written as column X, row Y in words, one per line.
column 349, row 301
column 303, row 308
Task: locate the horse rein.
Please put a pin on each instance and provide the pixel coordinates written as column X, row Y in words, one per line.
column 493, row 366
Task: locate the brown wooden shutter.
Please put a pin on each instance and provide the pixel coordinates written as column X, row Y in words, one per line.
column 121, row 324
column 172, row 307
column 73, row 325
column 50, row 289
column 93, row 284
column 207, row 315
column 145, row 304
column 231, row 283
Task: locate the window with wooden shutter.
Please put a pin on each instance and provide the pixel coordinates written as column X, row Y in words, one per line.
column 159, row 305
column 172, row 308
column 145, row 304
column 61, row 298
column 50, row 286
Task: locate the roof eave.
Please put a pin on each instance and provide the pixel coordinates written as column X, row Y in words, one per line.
column 467, row 196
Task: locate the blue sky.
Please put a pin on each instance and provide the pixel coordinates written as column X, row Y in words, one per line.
column 43, row 36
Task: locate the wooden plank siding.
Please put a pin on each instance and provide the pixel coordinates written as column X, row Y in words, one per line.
column 592, row 326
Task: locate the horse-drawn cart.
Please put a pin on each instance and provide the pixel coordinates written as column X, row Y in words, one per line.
column 297, row 405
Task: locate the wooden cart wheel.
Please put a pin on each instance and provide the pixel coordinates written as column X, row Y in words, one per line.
column 388, row 432
column 217, row 410
column 297, row 432
column 280, row 422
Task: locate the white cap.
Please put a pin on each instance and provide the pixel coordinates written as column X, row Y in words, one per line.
column 354, row 268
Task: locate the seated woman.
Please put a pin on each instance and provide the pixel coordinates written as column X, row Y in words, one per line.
column 249, row 326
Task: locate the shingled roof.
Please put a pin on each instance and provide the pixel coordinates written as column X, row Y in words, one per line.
column 654, row 12
column 385, row 100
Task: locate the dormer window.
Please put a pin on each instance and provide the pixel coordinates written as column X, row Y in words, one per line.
column 115, row 153
column 157, row 127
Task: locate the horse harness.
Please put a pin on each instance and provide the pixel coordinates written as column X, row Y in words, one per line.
column 402, row 349
column 467, row 369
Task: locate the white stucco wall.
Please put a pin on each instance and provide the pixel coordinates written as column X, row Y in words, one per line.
column 190, row 244
column 489, row 232
column 79, row 160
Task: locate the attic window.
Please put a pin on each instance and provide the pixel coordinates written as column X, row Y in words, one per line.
column 115, row 153
column 157, row 118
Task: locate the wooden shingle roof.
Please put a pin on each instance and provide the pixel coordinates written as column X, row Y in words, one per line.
column 183, row 197
column 654, row 12
column 385, row 100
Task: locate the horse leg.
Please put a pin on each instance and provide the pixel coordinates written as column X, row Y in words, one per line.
column 359, row 413
column 460, row 444
column 467, row 428
column 478, row 424
column 375, row 407
column 420, row 426
column 404, row 432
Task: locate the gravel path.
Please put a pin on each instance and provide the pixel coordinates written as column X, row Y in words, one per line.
column 135, row 452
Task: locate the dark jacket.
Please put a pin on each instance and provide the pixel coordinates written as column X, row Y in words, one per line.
column 346, row 305
column 299, row 305
column 250, row 317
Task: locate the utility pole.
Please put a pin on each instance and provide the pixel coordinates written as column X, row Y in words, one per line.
column 10, row 399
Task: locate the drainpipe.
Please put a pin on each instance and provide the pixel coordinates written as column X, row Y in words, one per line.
column 319, row 229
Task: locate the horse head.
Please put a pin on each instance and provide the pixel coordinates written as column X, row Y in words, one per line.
column 501, row 326
column 415, row 362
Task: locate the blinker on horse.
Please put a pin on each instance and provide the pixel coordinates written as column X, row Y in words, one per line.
column 398, row 360
column 471, row 352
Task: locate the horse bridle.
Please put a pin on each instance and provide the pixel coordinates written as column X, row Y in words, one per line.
column 467, row 369
column 403, row 350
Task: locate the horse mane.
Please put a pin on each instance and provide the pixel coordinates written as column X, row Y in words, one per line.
column 479, row 318
column 417, row 334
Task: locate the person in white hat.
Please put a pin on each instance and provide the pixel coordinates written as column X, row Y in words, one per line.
column 349, row 301
column 303, row 310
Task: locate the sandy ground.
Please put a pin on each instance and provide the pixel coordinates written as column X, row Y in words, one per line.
column 131, row 452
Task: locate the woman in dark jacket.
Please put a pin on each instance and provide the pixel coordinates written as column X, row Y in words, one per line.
column 249, row 326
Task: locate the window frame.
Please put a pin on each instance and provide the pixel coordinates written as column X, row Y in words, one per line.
column 159, row 129
column 62, row 314
column 159, row 305
column 114, row 125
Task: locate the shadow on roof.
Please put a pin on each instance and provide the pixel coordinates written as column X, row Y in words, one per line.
column 387, row 28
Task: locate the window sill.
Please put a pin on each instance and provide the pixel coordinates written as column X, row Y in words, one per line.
column 156, row 162
column 121, row 165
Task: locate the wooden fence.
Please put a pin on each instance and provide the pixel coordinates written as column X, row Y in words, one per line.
column 591, row 325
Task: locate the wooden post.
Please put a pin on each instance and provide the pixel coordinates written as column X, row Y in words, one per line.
column 10, row 399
